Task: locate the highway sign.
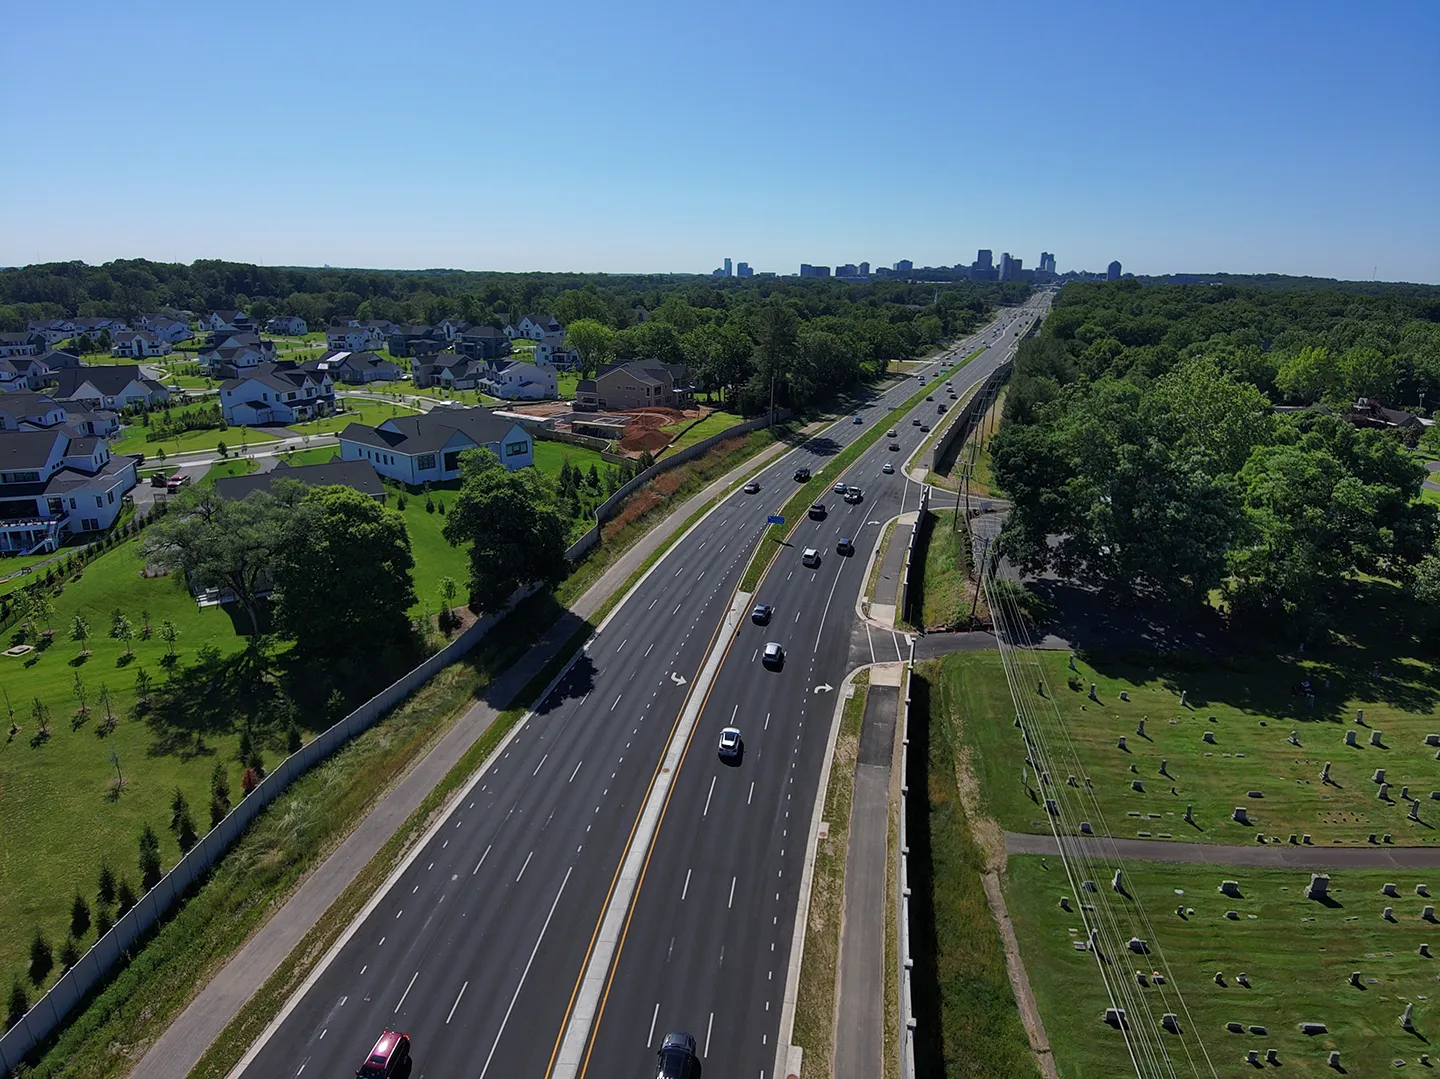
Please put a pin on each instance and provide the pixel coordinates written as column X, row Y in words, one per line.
column 775, row 519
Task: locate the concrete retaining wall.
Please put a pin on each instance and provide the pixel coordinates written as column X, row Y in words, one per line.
column 969, row 414
column 50, row 1010
column 908, row 571
column 907, row 1008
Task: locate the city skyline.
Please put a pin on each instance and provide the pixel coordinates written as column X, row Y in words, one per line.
column 1181, row 140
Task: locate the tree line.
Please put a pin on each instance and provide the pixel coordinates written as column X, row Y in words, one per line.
column 1143, row 450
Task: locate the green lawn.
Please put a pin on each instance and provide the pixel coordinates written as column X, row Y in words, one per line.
column 357, row 410
column 240, row 466
column 1254, row 712
column 567, row 381
column 945, row 591
column 132, row 437
column 1296, row 953
column 56, row 797
column 550, row 455
column 712, row 424
column 318, row 456
column 434, row 558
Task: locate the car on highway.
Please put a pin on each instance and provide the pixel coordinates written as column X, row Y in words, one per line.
column 844, row 546
column 894, row 445
column 774, row 655
column 856, row 419
column 888, row 469
column 940, row 408
column 839, row 487
column 810, row 557
column 801, row 475
column 929, row 397
column 751, row 488
column 853, row 495
column 760, row 614
column 924, row 428
column 817, row 511
column 390, row 1059
column 915, row 422
column 729, row 749
column 890, row 433
column 677, row 1052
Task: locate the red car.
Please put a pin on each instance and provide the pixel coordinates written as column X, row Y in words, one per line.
column 390, row 1059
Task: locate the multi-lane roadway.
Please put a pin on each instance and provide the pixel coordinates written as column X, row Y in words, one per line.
column 611, row 800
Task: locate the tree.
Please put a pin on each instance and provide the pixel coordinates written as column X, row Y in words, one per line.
column 223, row 543
column 79, row 917
column 69, row 953
column 594, row 341
column 105, row 888
column 222, row 449
column 146, row 629
column 105, row 704
column 124, row 897
column 42, row 957
column 448, row 591
column 17, row 1004
column 40, row 715
column 150, row 868
column 514, row 528
column 144, row 686
column 776, row 333
column 82, row 695
column 169, row 634
column 219, row 794
column 80, row 631
column 342, row 573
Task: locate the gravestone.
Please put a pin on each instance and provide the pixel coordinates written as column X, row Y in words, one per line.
column 1092, row 692
column 1136, row 785
column 1115, row 1017
column 1141, row 979
column 1384, row 793
column 1230, row 888
column 1115, row 881
column 1085, row 828
column 1375, row 738
column 1140, row 729
column 1432, row 739
column 1164, row 767
column 1360, row 716
column 1180, row 911
column 1072, row 661
column 1040, row 687
column 1095, row 943
column 1122, row 742
column 1379, row 776
column 1355, row 979
column 1391, row 890
column 1334, row 1058
column 1072, row 782
column 1388, row 914
column 1427, row 913
column 1325, row 773
column 1404, row 793
column 1407, row 1017
column 1258, row 1030
column 1219, row 977
column 1272, row 1056
column 1052, row 807
column 1170, row 1022
column 1243, row 979
column 1064, row 902
column 1183, row 694
column 1350, row 738
column 1253, row 1057
column 1294, row 739
column 1089, row 885
column 1305, row 839
column 1124, row 696
column 1208, row 737
column 1313, row 1028
column 1414, row 811
column 1138, row 946
column 1319, row 886
column 1422, row 889
column 1190, row 814
column 1255, row 794
column 1239, row 816
column 1233, row 915
column 1235, row 1028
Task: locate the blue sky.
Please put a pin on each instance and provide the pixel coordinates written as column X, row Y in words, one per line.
column 638, row 136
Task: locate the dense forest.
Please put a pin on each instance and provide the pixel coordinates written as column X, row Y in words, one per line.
column 1144, row 453
column 813, row 335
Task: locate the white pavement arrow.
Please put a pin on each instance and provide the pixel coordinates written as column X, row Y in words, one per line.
column 824, row 687
column 676, row 679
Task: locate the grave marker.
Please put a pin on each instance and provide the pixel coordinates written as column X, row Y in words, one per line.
column 1239, row 816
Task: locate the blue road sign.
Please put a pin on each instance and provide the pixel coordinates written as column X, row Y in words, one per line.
column 775, row 519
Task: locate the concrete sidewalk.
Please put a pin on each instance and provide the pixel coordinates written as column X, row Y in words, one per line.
column 1269, row 856
column 884, row 603
column 181, row 1046
column 860, row 996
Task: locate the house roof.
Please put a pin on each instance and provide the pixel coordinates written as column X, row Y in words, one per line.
column 230, row 316
column 483, row 332
column 130, row 335
column 430, row 431
column 24, row 403
column 636, row 370
column 24, row 450
column 16, row 338
column 336, row 473
column 277, row 377
column 413, row 331
column 55, row 359
column 355, row 361
column 68, row 478
column 109, row 379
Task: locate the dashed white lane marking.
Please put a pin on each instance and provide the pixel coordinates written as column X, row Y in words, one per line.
column 456, row 1004
column 539, row 766
column 686, row 890
column 706, row 811
column 731, row 903
column 499, row 1033
column 767, row 721
column 647, row 651
column 708, row 1027
column 575, row 773
column 617, row 701
column 481, row 861
column 650, row 1039
column 407, row 992
column 524, row 867
column 623, row 644
column 652, row 603
column 677, row 611
column 751, row 794
column 398, row 913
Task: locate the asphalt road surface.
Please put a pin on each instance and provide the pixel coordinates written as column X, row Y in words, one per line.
column 478, row 946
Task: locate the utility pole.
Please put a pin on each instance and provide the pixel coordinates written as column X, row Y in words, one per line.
column 979, row 575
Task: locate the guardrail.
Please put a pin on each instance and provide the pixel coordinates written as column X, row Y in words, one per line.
column 50, row 1010
column 907, row 963
column 608, row 508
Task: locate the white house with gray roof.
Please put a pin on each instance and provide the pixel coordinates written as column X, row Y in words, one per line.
column 273, row 394
column 427, row 447
column 116, row 386
column 55, row 483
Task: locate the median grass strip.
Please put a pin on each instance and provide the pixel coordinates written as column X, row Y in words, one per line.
column 776, row 536
column 967, row 1020
column 259, row 873
column 815, row 997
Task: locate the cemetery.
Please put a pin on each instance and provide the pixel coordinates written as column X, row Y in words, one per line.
column 1278, row 968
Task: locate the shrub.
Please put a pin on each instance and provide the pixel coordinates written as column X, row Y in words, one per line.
column 103, row 921
column 42, row 957
column 79, row 917
column 125, row 896
column 69, row 953
column 150, row 871
column 17, row 1005
column 249, row 780
column 105, row 892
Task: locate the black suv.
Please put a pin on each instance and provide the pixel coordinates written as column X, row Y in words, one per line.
column 801, row 475
column 677, row 1057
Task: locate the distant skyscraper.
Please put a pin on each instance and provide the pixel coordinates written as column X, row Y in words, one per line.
column 728, row 271
column 1112, row 272
column 984, row 259
column 904, row 266
column 864, row 269
column 742, row 269
column 1010, row 267
column 847, row 270
column 806, row 270
column 1047, row 262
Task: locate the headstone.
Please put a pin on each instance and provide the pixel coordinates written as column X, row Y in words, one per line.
column 1239, row 816
column 1255, row 794
column 1170, row 1022
column 1422, row 889
column 1391, row 890
column 1136, row 785
column 1373, row 838
column 1427, row 913
column 1122, row 742
column 1040, row 687
column 1232, row 915
column 1085, row 828
column 1305, row 839
column 1313, row 1028
column 1272, row 1056
column 1414, row 811
column 1064, row 902
column 1231, row 888
column 1089, row 885
column 1208, row 737
column 1388, row 914
column 1124, row 696
column 1072, row 661
column 1164, row 767
column 1375, row 737
column 1325, row 773
column 1190, row 814
column 1235, row 1028
column 1334, row 1058
column 1052, row 807
column 1360, row 716
column 1180, row 911
column 1140, row 729
column 1219, row 977
column 1355, row 979
column 1384, row 792
column 1141, row 978
column 1115, row 881
column 1379, row 776
column 1319, row 886
column 1407, row 1017
column 1138, row 946
column 1115, row 1017
column 1253, row 1057
column 1432, row 739
column 1092, row 692
column 1095, row 943
column 1017, row 721
column 1243, row 979
column 1072, row 782
column 1293, row 739
column 1183, row 694
column 1350, row 739
column 1404, row 793
column 1425, row 950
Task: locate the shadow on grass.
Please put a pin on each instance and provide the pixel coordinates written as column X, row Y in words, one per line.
column 925, row 973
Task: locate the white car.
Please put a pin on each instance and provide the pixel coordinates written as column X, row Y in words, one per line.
column 810, row 557
column 839, row 488
column 751, row 488
column 888, row 469
column 730, row 743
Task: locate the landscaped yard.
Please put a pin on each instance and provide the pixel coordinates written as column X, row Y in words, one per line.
column 56, row 798
column 434, row 558
column 567, row 381
column 132, row 437
column 1296, row 953
column 712, row 424
column 357, row 410
column 549, row 456
column 239, row 466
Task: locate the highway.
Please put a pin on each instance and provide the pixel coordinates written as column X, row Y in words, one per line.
column 478, row 944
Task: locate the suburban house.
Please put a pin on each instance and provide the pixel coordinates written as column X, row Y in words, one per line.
column 428, row 373
column 241, row 340
column 535, row 327
column 482, row 343
column 275, row 394
column 552, row 350
column 635, row 384
column 228, row 322
column 115, row 387
column 460, row 374
column 94, row 327
column 53, row 330
column 138, row 344
column 23, row 373
column 230, row 354
column 356, row 368
column 427, row 447
column 516, row 380
column 454, row 327
column 290, row 325
column 55, row 360
column 353, row 338
column 28, row 343
column 165, row 327
column 26, row 411
column 332, row 473
column 417, row 341
column 1367, row 412
column 54, row 483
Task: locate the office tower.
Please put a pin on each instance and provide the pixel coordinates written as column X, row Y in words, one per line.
column 864, row 269
column 1010, row 267
column 984, row 259
column 728, row 271
column 847, row 270
column 1047, row 262
column 1112, row 272
column 742, row 269
column 806, row 270
column 904, row 266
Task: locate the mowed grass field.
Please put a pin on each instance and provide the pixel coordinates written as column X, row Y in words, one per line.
column 1298, row 955
column 132, row 437
column 61, row 819
column 1254, row 712
column 357, row 410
